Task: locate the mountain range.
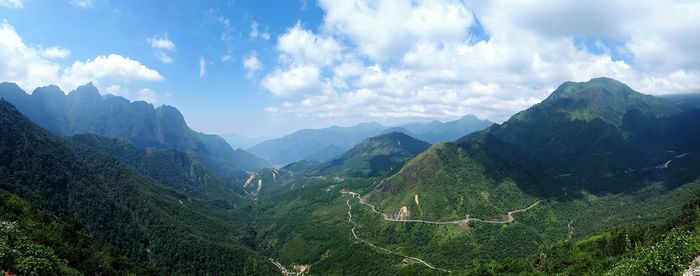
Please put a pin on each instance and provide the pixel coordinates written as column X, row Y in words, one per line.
column 85, row 111
column 321, row 145
column 596, row 179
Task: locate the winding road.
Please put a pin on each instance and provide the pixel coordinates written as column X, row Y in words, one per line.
column 509, row 215
column 354, row 225
column 388, row 218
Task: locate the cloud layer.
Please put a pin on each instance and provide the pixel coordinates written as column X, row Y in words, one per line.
column 395, row 60
column 31, row 66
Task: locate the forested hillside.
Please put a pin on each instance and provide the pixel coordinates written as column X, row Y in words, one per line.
column 151, row 225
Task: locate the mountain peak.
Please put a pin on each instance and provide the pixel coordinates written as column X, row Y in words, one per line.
column 594, row 87
column 50, row 90
column 602, row 98
column 87, row 90
column 376, row 155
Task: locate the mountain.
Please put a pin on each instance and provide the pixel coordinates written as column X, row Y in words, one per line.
column 437, row 131
column 375, row 156
column 300, row 144
column 137, row 217
column 240, row 141
column 325, row 144
column 180, row 171
column 580, row 139
column 577, row 131
column 85, row 111
column 328, row 153
column 686, row 102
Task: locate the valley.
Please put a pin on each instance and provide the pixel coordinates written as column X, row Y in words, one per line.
column 548, row 183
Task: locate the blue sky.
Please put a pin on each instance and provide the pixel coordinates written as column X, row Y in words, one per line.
column 268, row 67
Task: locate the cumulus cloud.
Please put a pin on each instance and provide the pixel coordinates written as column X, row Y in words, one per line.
column 385, row 29
column 113, row 66
column 299, row 79
column 397, row 60
column 15, row 4
column 30, row 67
column 252, row 64
column 56, row 52
column 23, row 64
column 162, row 42
column 302, row 46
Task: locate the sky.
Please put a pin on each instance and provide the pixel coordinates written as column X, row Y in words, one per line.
column 269, row 67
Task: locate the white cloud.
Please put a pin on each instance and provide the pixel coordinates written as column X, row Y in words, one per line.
column 30, row 67
column 23, row 64
column 161, row 42
column 386, row 29
column 56, row 52
column 299, row 79
column 254, row 33
column 144, row 94
column 112, row 66
column 252, row 64
column 163, row 57
column 83, row 4
column 302, row 46
column 202, row 67
column 15, row 4
column 403, row 60
column 148, row 95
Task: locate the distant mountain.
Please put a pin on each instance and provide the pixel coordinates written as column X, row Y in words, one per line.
column 375, row 156
column 686, row 102
column 598, row 136
column 85, row 111
column 240, row 141
column 321, row 145
column 300, row 144
column 328, row 153
column 437, row 131
column 153, row 226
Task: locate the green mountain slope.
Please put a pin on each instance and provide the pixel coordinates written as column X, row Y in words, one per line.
column 180, row 171
column 375, row 156
column 35, row 242
column 151, row 225
column 574, row 140
column 450, row 180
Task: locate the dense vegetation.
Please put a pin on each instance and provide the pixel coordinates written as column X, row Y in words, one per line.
column 180, row 171
column 33, row 242
column 151, row 225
